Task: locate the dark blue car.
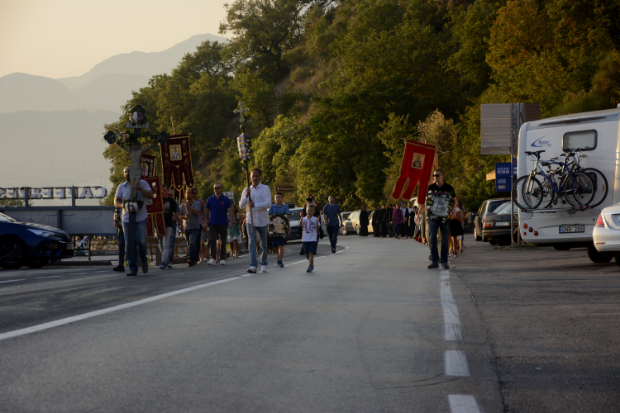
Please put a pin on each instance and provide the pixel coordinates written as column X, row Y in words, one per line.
column 33, row 245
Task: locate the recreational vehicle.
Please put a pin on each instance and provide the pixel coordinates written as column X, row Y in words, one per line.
column 597, row 135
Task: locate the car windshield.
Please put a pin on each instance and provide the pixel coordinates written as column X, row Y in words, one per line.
column 295, row 215
column 493, row 205
column 6, row 218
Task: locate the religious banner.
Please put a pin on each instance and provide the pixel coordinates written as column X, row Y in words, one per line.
column 154, row 208
column 177, row 162
column 148, row 166
column 418, row 163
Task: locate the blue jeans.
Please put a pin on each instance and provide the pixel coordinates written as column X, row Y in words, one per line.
column 433, row 227
column 193, row 240
column 262, row 233
column 172, row 241
column 396, row 229
column 332, row 232
column 140, row 242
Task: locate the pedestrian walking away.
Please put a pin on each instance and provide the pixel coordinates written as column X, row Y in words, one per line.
column 217, row 209
column 397, row 220
column 310, row 224
column 257, row 197
column 456, row 227
column 279, row 226
column 439, row 202
column 177, row 229
column 364, row 222
column 333, row 218
column 171, row 214
column 123, row 193
column 190, row 212
column 376, row 228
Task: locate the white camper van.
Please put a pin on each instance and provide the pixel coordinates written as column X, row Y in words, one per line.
column 562, row 225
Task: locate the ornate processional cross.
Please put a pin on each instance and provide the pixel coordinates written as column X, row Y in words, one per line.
column 241, row 111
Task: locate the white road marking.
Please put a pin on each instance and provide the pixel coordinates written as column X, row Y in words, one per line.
column 460, row 403
column 11, row 281
column 49, row 276
column 68, row 320
column 451, row 319
column 456, row 363
column 445, row 275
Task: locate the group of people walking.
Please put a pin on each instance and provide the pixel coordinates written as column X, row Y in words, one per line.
column 394, row 220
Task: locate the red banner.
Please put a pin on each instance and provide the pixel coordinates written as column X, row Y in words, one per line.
column 177, row 162
column 418, row 163
column 155, row 208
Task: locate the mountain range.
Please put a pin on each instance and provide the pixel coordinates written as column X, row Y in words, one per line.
column 52, row 128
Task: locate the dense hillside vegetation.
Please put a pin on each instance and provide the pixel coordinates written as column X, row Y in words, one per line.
column 335, row 87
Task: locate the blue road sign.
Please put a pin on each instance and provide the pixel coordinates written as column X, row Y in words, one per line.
column 502, row 176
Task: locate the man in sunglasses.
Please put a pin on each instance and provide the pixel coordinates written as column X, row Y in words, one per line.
column 439, row 203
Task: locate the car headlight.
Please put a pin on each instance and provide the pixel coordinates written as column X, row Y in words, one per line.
column 43, row 234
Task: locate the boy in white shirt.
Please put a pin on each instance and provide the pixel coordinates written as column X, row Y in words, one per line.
column 310, row 227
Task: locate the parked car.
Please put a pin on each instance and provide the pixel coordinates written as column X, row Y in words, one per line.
column 486, row 207
column 33, row 245
column 496, row 227
column 293, row 219
column 347, row 221
column 606, row 236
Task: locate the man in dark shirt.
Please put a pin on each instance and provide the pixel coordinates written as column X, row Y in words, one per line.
column 333, row 218
column 171, row 214
column 218, row 207
column 439, row 203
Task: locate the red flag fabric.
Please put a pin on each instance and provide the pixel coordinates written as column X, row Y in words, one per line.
column 176, row 161
column 155, row 208
column 417, row 167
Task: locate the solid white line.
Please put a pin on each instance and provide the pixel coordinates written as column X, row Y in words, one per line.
column 456, row 363
column 49, row 276
column 10, row 281
column 460, row 403
column 445, row 275
column 64, row 321
column 451, row 320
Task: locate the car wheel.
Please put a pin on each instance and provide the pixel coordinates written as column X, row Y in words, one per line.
column 617, row 260
column 483, row 238
column 37, row 262
column 476, row 236
column 13, row 254
column 598, row 257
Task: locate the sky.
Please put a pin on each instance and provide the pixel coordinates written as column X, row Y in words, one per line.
column 65, row 38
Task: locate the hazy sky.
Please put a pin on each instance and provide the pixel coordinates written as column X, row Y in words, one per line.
column 63, row 38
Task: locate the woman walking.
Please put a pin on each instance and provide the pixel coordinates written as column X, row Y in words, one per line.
column 234, row 233
column 397, row 220
column 363, row 222
column 456, row 227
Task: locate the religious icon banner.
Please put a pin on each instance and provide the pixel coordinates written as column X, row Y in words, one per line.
column 148, row 166
column 177, row 162
column 154, row 208
column 418, row 163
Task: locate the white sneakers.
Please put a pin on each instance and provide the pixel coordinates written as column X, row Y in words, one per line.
column 211, row 261
column 222, row 262
column 252, row 270
column 263, row 268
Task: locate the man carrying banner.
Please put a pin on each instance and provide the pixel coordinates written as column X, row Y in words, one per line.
column 439, row 203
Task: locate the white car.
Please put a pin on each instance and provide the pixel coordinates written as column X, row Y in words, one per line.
column 606, row 234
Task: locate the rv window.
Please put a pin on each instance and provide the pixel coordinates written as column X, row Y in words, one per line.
column 584, row 140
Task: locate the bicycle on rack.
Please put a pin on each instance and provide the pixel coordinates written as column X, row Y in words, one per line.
column 559, row 184
column 601, row 188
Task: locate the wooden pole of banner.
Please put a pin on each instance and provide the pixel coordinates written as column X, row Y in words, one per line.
column 247, row 175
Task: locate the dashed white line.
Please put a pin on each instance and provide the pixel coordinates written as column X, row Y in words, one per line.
column 451, row 320
column 460, row 403
column 456, row 363
column 10, row 281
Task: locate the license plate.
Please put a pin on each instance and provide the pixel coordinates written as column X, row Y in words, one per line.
column 502, row 224
column 572, row 228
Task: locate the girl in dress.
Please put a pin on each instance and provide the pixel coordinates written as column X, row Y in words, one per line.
column 234, row 232
column 456, row 227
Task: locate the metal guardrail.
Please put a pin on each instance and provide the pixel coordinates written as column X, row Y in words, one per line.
column 74, row 220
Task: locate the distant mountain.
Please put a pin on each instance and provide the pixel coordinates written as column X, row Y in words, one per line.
column 107, row 86
column 140, row 63
column 54, row 148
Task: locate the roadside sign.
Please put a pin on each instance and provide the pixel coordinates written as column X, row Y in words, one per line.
column 230, row 195
column 285, row 188
column 502, row 176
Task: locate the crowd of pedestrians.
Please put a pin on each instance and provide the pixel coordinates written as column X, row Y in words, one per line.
column 265, row 225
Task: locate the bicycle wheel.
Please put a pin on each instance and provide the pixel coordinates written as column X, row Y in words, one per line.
column 579, row 190
column 527, row 192
column 601, row 188
column 547, row 191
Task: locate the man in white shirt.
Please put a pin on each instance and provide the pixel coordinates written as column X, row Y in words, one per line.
column 259, row 200
column 123, row 193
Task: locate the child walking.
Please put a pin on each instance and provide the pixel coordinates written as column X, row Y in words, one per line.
column 310, row 227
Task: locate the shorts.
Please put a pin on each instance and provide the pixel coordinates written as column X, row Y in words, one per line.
column 204, row 236
column 277, row 241
column 310, row 247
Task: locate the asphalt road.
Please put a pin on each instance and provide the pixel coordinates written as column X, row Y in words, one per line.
column 370, row 330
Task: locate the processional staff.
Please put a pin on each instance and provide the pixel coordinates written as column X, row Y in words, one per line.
column 243, row 144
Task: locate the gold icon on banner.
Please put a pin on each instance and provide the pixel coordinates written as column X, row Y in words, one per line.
column 175, row 152
column 418, row 161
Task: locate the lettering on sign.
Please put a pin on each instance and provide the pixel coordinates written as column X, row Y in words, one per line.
column 285, row 188
column 82, row 192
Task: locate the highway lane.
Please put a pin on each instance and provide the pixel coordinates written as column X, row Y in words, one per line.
column 370, row 330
